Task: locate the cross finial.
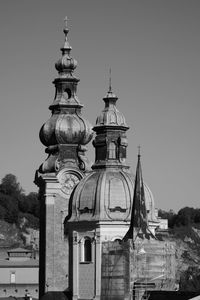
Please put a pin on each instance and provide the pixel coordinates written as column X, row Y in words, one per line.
column 65, row 22
column 139, row 148
column 110, row 85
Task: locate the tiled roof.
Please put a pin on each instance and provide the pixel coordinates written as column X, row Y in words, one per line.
column 26, row 264
column 19, row 250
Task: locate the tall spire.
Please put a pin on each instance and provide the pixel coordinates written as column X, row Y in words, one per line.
column 139, row 222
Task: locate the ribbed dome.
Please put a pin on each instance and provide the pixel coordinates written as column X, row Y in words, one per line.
column 150, row 204
column 66, row 128
column 66, row 64
column 105, row 195
column 110, row 115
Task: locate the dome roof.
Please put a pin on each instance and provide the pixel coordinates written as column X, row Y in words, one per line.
column 106, row 195
column 66, row 64
column 110, row 114
column 103, row 195
column 150, row 204
column 66, row 128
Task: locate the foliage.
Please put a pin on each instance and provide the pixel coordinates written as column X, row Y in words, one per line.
column 185, row 217
column 10, row 186
column 30, row 204
column 10, row 206
column 30, row 220
column 169, row 215
column 14, row 203
column 190, row 279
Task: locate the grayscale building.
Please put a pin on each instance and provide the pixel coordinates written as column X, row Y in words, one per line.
column 97, row 225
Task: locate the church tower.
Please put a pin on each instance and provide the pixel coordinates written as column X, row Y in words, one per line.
column 100, row 203
column 65, row 135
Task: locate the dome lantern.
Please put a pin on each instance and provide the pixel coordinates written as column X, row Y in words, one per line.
column 110, row 142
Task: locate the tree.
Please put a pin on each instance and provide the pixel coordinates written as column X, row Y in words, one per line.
column 190, row 279
column 185, row 216
column 10, row 186
column 10, row 206
column 30, row 204
column 169, row 215
column 14, row 204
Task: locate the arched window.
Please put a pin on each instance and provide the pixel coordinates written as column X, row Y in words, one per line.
column 87, row 250
column 112, row 150
column 67, row 93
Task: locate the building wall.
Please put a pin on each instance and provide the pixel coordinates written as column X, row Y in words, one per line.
column 17, row 281
column 86, row 282
column 22, row 275
column 54, row 247
column 19, row 290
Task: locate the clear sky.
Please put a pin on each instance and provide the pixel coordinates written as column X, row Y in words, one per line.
column 153, row 48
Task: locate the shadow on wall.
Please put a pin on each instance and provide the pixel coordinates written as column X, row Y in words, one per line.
column 67, row 295
column 172, row 295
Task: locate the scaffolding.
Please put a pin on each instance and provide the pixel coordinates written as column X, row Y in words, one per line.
column 130, row 271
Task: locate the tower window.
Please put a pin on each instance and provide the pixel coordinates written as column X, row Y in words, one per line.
column 112, row 150
column 87, row 250
column 68, row 93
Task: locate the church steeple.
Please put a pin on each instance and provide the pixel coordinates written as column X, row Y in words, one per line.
column 110, row 142
column 65, row 136
column 66, row 132
column 139, row 221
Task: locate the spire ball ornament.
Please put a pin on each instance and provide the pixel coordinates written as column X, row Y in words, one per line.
column 66, row 64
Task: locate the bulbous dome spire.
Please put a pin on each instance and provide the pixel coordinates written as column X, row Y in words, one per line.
column 66, row 64
column 110, row 142
column 66, row 126
column 110, row 114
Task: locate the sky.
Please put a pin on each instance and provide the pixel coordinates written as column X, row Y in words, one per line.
column 153, row 49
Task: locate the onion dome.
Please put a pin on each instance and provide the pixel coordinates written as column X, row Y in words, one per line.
column 110, row 114
column 66, row 64
column 66, row 125
column 66, row 128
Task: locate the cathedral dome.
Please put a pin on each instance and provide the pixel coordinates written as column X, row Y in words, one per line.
column 66, row 128
column 110, row 114
column 150, row 204
column 103, row 195
column 106, row 195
